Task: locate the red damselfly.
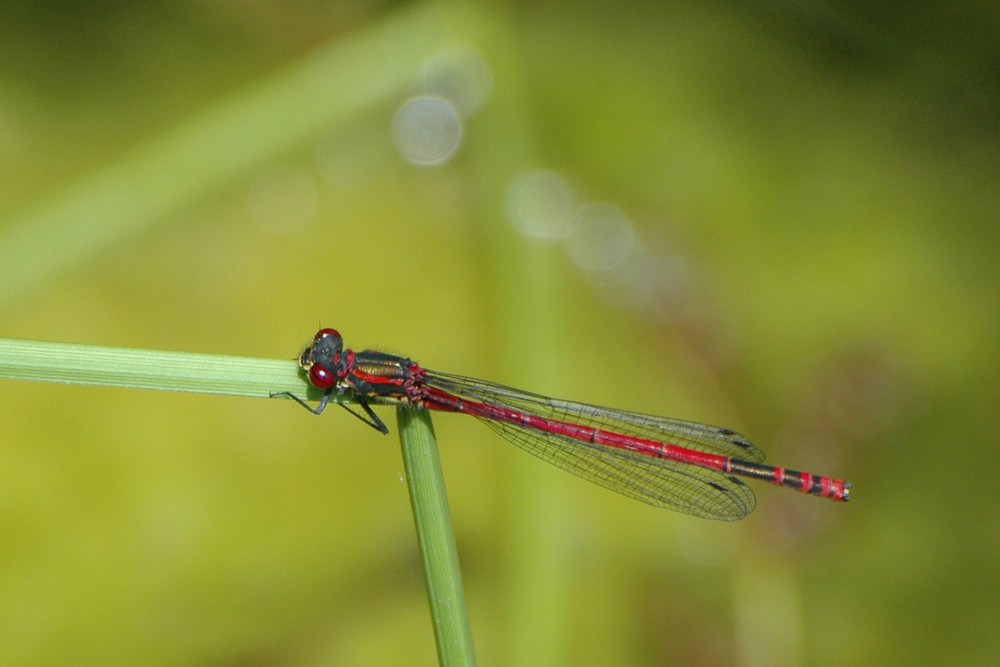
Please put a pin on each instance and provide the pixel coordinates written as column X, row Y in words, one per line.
column 672, row 463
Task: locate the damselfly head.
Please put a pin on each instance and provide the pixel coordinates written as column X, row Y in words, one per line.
column 326, row 348
column 321, row 359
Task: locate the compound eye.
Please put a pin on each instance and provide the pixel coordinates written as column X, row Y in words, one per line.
column 321, row 377
column 326, row 333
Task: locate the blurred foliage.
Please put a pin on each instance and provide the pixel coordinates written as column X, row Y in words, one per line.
column 813, row 189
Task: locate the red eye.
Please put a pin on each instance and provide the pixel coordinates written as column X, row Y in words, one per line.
column 324, row 333
column 321, row 377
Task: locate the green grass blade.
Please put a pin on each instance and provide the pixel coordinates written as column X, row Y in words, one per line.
column 149, row 369
column 435, row 537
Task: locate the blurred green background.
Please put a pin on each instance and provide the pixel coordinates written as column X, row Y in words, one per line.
column 780, row 217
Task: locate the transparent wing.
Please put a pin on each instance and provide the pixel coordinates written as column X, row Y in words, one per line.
column 660, row 482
